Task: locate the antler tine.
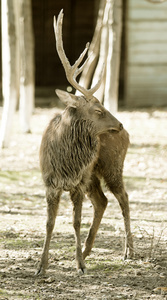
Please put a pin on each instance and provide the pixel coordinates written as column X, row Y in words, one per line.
column 79, row 60
column 59, row 42
column 97, row 85
column 69, row 70
column 72, row 71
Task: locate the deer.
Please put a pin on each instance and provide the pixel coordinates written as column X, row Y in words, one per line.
column 80, row 146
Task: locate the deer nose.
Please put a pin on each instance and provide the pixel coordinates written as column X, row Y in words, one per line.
column 121, row 126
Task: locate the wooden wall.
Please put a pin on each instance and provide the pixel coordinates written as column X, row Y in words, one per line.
column 146, row 53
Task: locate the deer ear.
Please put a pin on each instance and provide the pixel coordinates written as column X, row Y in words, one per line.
column 67, row 98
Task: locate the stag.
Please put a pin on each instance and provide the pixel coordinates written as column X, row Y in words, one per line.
column 79, row 147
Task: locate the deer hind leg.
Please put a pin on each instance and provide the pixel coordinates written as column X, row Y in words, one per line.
column 122, row 197
column 99, row 202
column 53, row 198
column 77, row 199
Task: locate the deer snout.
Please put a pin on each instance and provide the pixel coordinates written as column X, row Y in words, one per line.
column 117, row 129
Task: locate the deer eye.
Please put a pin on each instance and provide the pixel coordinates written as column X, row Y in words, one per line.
column 99, row 112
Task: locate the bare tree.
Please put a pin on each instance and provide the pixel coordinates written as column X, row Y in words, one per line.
column 17, row 65
column 105, row 48
column 10, row 70
column 26, row 65
column 113, row 56
column 93, row 52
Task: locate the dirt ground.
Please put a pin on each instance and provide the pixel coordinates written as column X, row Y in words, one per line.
column 23, row 217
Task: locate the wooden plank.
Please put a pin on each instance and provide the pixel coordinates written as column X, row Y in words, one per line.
column 145, row 101
column 147, row 14
column 147, row 81
column 147, row 36
column 147, row 58
column 151, row 47
column 149, row 90
column 135, row 4
column 142, row 70
column 148, row 25
column 147, row 75
column 146, row 97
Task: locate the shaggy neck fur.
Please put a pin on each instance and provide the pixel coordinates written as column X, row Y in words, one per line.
column 69, row 147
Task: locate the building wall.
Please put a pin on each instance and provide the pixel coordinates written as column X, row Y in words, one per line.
column 78, row 28
column 146, row 53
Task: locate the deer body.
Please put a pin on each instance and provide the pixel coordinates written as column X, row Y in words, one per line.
column 77, row 149
column 70, row 144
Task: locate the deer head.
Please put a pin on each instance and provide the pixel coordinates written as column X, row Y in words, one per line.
column 87, row 104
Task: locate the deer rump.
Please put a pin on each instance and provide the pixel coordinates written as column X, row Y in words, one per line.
column 68, row 152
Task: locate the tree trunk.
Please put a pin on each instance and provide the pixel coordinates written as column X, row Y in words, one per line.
column 10, row 68
column 113, row 57
column 102, row 53
column 93, row 53
column 105, row 48
column 26, row 65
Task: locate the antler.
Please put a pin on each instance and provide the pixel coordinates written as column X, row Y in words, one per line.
column 72, row 71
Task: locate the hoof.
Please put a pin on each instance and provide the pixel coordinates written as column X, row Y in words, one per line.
column 82, row 271
column 40, row 272
column 128, row 255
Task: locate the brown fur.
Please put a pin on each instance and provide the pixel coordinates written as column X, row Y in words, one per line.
column 109, row 166
column 77, row 150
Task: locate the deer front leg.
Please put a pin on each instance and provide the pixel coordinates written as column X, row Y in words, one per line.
column 99, row 202
column 122, row 198
column 77, row 198
column 53, row 199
